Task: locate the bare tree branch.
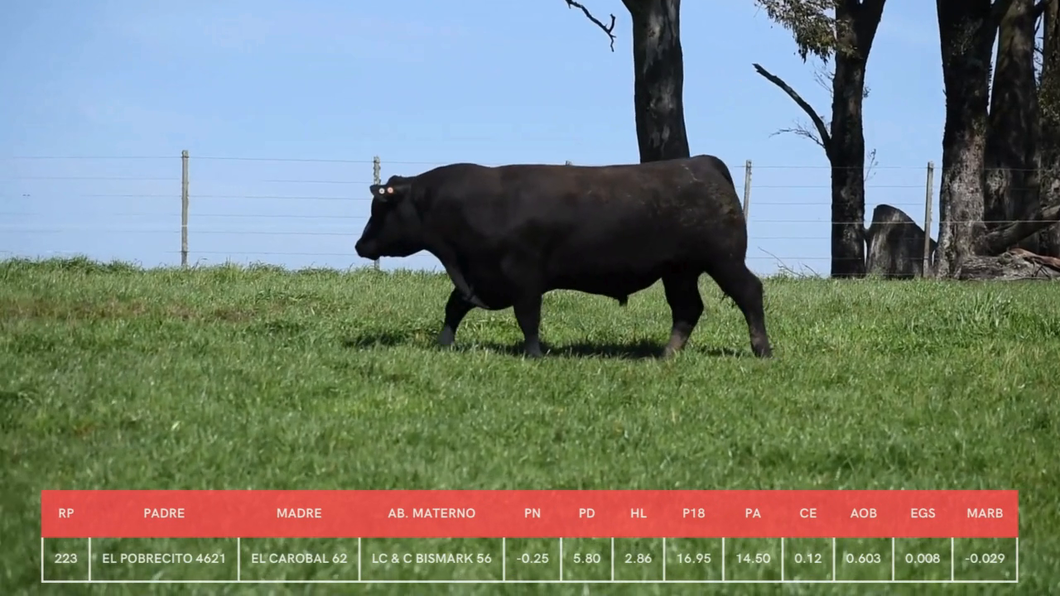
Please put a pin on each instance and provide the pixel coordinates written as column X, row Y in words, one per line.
column 800, row 130
column 1039, row 9
column 822, row 130
column 608, row 29
column 872, row 163
column 823, row 76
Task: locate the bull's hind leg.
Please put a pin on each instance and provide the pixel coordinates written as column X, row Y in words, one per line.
column 686, row 305
column 455, row 311
column 744, row 287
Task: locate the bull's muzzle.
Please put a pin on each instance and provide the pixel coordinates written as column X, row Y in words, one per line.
column 363, row 251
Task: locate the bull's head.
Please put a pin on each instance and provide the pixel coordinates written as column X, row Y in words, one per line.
column 394, row 228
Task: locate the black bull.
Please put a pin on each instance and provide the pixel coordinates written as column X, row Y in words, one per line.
column 507, row 235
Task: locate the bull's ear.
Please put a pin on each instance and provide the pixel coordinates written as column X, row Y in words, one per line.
column 396, row 191
column 392, row 191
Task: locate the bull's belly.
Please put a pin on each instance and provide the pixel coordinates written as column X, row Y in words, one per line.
column 612, row 283
column 499, row 280
column 611, row 270
column 498, row 291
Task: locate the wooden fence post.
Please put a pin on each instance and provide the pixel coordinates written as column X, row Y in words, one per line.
column 927, row 217
column 184, row 208
column 376, row 179
column 746, row 188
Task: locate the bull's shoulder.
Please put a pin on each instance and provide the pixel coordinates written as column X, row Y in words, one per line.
column 458, row 169
column 458, row 174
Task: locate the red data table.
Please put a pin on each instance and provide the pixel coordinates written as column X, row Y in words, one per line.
column 530, row 536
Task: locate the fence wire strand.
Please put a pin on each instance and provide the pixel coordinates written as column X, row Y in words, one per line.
column 16, row 188
column 352, row 161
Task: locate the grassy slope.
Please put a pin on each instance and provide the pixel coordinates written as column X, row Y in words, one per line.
column 112, row 377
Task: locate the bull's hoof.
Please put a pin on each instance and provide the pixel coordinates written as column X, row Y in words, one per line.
column 446, row 338
column 763, row 353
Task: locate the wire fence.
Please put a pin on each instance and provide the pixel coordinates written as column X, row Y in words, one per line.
column 187, row 210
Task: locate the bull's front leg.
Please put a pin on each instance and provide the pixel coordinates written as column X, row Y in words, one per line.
column 686, row 305
column 528, row 313
column 455, row 311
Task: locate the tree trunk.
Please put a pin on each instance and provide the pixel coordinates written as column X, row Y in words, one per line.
column 1013, row 265
column 1001, row 239
column 658, row 86
column 848, row 166
column 1049, row 137
column 856, row 23
column 967, row 29
column 856, row 26
column 895, row 245
column 1012, row 126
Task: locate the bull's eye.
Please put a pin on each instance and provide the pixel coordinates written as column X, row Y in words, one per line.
column 390, row 190
column 381, row 191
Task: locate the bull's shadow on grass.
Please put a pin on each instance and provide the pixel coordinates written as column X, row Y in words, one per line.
column 638, row 350
column 375, row 339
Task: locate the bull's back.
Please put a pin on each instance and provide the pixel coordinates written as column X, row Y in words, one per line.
column 655, row 203
column 701, row 182
column 616, row 229
column 596, row 220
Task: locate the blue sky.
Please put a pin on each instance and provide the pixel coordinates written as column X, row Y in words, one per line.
column 101, row 97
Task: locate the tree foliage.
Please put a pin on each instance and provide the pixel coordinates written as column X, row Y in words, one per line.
column 811, row 22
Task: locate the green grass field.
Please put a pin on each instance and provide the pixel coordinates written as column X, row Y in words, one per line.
column 257, row 378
